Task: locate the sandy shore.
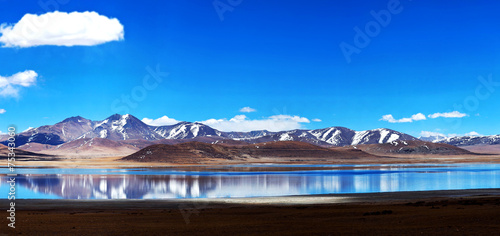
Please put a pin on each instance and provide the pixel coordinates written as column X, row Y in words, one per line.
column 410, row 213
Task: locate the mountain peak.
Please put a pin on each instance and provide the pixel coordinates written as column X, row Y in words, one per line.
column 74, row 119
column 115, row 117
column 183, row 123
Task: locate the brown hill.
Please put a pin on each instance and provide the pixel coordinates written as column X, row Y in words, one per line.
column 20, row 154
column 195, row 151
column 230, row 142
column 416, row 147
column 298, row 149
column 184, row 152
column 36, row 147
column 139, row 143
column 92, row 147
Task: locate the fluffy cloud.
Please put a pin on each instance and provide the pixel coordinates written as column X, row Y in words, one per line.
column 453, row 114
column 389, row 118
column 473, row 133
column 316, row 120
column 419, row 116
column 2, row 111
column 247, row 109
column 164, row 120
column 297, row 119
column 61, row 29
column 10, row 85
column 243, row 124
column 431, row 134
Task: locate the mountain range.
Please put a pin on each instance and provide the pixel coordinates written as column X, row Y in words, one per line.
column 471, row 140
column 128, row 133
column 127, row 127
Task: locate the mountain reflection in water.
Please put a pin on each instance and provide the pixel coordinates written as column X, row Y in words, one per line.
column 130, row 186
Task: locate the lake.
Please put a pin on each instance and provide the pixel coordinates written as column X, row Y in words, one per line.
column 170, row 183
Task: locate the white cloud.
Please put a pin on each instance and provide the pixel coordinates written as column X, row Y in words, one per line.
column 316, row 120
column 61, row 29
column 431, row 134
column 292, row 118
column 2, row 111
column 10, row 85
column 389, row 118
column 419, row 116
column 164, row 120
column 247, row 109
column 243, row 124
column 473, row 133
column 453, row 114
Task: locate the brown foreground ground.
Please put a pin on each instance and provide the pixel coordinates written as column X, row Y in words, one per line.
column 457, row 212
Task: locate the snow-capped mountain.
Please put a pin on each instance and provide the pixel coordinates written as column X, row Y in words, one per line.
column 64, row 131
column 292, row 135
column 379, row 136
column 472, row 140
column 433, row 138
column 127, row 127
column 121, row 127
column 338, row 136
column 248, row 135
column 333, row 136
column 186, row 130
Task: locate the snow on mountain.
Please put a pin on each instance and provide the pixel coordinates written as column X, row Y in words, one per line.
column 185, row 130
column 247, row 135
column 335, row 136
column 338, row 136
column 379, row 136
column 121, row 127
column 285, row 137
column 432, row 138
column 472, row 140
column 291, row 135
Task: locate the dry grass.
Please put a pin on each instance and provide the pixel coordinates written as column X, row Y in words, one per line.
column 406, row 213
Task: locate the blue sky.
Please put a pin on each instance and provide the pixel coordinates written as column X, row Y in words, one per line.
column 283, row 59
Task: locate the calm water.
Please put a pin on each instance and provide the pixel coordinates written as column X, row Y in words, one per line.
column 53, row 183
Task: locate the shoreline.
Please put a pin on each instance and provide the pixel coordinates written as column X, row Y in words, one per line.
column 319, row 199
column 474, row 211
